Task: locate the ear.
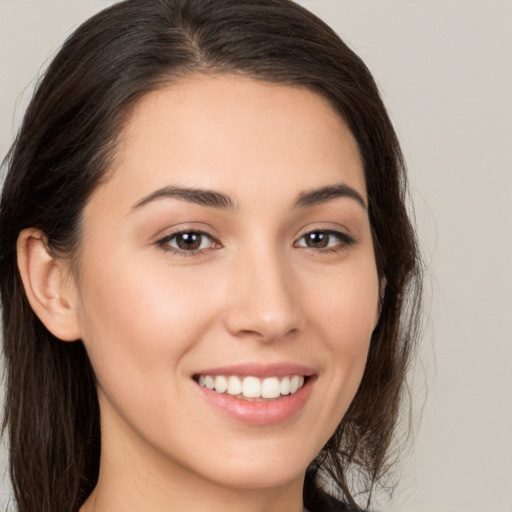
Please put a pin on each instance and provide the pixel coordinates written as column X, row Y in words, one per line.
column 49, row 288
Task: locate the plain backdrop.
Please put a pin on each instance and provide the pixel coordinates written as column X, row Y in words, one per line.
column 445, row 72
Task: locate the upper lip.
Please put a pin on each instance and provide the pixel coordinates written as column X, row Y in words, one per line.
column 259, row 370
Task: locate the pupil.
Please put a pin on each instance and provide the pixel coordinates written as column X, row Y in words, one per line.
column 189, row 241
column 317, row 240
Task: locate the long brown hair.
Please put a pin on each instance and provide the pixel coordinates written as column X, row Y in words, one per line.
column 62, row 153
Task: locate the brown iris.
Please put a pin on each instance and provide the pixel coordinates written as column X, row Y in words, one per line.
column 189, row 241
column 317, row 240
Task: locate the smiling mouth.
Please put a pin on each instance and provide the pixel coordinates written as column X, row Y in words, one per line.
column 252, row 388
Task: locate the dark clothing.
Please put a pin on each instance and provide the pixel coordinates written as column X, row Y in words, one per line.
column 323, row 502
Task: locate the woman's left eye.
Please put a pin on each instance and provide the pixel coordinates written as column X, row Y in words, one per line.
column 325, row 239
column 187, row 241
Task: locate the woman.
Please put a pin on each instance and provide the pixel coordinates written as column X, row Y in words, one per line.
column 209, row 281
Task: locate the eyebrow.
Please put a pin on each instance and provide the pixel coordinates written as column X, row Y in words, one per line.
column 327, row 193
column 215, row 199
column 193, row 195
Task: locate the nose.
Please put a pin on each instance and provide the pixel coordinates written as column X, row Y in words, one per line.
column 264, row 299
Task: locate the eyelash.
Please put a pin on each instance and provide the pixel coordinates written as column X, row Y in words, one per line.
column 344, row 241
column 164, row 243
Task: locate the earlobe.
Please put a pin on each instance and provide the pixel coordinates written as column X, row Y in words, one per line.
column 49, row 289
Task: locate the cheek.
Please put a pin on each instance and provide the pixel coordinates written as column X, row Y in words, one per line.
column 347, row 305
column 136, row 323
column 345, row 314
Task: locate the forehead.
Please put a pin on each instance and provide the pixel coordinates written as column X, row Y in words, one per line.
column 236, row 133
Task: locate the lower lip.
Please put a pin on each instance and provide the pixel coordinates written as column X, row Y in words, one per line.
column 266, row 412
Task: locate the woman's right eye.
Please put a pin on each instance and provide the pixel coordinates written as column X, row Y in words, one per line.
column 190, row 242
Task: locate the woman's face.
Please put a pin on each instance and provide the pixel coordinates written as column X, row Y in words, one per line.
column 230, row 248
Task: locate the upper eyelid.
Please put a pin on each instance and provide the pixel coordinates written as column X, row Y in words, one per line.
column 344, row 241
column 341, row 234
column 170, row 232
column 163, row 243
column 331, row 231
column 173, row 234
column 307, row 232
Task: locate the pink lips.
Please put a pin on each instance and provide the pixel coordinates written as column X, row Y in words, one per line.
column 264, row 412
column 259, row 370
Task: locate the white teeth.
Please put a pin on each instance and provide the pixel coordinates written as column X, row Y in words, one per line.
column 234, row 385
column 294, row 383
column 221, row 384
column 209, row 382
column 252, row 387
column 270, row 388
column 285, row 386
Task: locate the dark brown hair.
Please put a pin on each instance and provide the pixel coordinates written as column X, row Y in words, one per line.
column 62, row 153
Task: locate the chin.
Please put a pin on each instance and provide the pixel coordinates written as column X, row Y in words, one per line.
column 259, row 467
column 259, row 478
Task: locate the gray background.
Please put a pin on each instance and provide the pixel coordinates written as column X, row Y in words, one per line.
column 445, row 71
